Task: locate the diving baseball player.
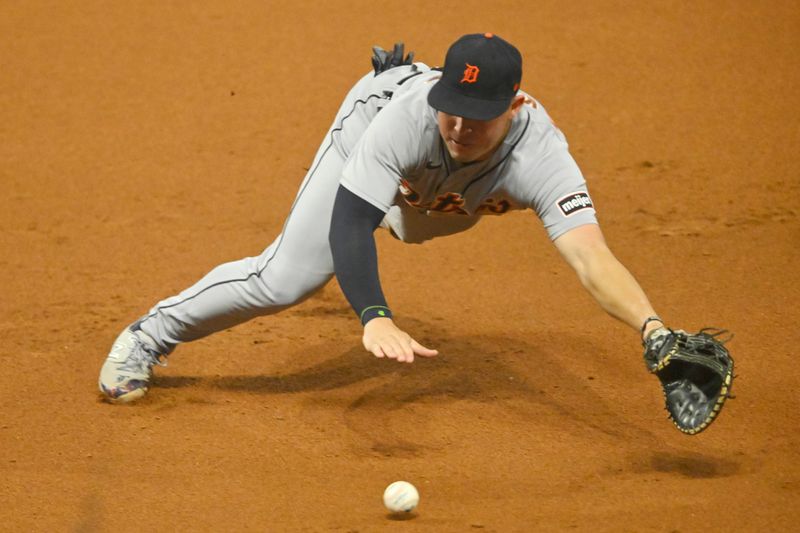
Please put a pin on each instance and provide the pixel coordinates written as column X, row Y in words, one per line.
column 421, row 153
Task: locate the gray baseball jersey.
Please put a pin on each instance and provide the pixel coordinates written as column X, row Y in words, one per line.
column 401, row 162
column 385, row 147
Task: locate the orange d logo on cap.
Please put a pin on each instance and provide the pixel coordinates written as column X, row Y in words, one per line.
column 470, row 74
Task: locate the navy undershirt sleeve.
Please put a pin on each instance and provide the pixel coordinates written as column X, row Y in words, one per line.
column 355, row 257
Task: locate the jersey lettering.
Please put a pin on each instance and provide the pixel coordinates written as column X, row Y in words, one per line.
column 490, row 206
column 449, row 202
column 452, row 202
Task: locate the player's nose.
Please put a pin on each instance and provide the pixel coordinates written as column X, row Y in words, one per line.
column 461, row 126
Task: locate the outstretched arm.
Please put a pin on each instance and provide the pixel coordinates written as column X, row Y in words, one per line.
column 606, row 279
column 695, row 370
column 355, row 261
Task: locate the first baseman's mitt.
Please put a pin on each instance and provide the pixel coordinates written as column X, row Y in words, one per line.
column 383, row 60
column 696, row 373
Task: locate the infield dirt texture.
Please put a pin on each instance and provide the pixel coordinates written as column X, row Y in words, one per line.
column 142, row 143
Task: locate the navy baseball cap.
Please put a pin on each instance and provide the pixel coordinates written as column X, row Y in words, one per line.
column 481, row 76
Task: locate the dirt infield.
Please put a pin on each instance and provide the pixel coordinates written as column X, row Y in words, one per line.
column 143, row 143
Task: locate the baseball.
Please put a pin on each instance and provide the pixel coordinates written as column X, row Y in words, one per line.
column 400, row 496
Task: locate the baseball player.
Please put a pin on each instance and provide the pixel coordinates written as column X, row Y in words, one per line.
column 419, row 152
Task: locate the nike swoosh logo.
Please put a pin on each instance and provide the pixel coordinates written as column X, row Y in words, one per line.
column 431, row 166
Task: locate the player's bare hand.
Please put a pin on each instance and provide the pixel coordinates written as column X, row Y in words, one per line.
column 384, row 339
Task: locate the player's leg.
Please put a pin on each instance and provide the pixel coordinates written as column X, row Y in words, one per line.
column 288, row 271
column 291, row 269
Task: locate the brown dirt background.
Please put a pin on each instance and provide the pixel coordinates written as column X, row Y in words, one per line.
column 142, row 143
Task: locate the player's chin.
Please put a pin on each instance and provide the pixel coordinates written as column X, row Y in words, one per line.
column 464, row 153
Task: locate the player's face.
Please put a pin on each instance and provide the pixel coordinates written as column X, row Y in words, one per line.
column 470, row 140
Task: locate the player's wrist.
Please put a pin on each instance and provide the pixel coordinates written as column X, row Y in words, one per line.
column 650, row 324
column 374, row 311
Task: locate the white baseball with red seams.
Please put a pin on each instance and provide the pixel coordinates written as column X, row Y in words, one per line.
column 401, row 496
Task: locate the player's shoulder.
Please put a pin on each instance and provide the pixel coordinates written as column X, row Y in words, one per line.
column 534, row 127
column 536, row 150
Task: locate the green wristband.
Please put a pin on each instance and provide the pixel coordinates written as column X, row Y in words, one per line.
column 374, row 311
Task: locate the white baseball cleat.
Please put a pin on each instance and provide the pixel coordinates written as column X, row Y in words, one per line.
column 126, row 373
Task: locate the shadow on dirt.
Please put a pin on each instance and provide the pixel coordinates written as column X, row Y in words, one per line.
column 693, row 465
column 526, row 376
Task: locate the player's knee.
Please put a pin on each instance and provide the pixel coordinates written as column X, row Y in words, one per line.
column 287, row 292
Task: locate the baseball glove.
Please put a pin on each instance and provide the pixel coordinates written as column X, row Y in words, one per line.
column 696, row 374
column 383, row 60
